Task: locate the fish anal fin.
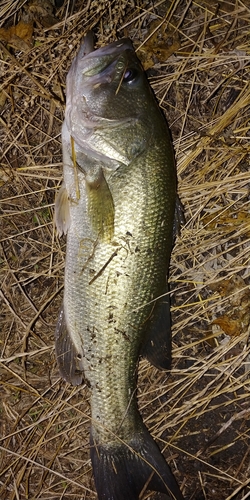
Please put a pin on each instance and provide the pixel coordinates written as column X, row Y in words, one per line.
column 179, row 218
column 123, row 471
column 158, row 338
column 62, row 213
column 68, row 359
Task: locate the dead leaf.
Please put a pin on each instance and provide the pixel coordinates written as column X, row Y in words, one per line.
column 235, row 288
column 3, row 97
column 237, row 317
column 42, row 11
column 225, row 219
column 19, row 36
column 229, row 325
column 160, row 46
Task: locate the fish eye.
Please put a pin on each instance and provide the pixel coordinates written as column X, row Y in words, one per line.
column 130, row 75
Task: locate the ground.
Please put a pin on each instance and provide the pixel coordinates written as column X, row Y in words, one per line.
column 196, row 55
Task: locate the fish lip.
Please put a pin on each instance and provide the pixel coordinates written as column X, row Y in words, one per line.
column 105, row 75
column 89, row 58
column 113, row 48
column 96, row 66
column 88, row 44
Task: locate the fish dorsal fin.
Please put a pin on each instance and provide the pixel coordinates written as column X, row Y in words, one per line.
column 158, row 338
column 68, row 359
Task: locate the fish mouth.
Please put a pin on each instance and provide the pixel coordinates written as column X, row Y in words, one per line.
column 100, row 65
column 93, row 67
column 87, row 45
column 90, row 69
column 88, row 51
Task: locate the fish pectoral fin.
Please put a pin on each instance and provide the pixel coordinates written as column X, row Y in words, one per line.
column 68, row 359
column 62, row 214
column 158, row 339
column 122, row 471
column 100, row 207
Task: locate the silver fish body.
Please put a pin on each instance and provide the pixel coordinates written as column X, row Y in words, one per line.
column 117, row 206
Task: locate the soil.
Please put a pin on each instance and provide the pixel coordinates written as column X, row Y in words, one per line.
column 196, row 55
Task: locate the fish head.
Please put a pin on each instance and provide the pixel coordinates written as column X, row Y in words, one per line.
column 108, row 96
column 111, row 79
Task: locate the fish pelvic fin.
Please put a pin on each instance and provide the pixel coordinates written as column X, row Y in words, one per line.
column 62, row 213
column 158, row 337
column 101, row 207
column 68, row 359
column 125, row 470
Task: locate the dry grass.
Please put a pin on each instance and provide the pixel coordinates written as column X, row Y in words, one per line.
column 200, row 413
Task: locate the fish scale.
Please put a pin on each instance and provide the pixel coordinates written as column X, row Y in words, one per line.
column 120, row 197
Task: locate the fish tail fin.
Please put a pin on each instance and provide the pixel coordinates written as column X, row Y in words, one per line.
column 123, row 471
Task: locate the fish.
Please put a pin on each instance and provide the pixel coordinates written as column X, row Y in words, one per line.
column 117, row 207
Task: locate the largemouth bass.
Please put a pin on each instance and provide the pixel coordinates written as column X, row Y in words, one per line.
column 117, row 206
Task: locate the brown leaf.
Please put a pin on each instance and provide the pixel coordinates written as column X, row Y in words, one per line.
column 19, row 36
column 3, row 97
column 160, row 46
column 42, row 12
column 229, row 325
column 40, row 8
column 224, row 219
